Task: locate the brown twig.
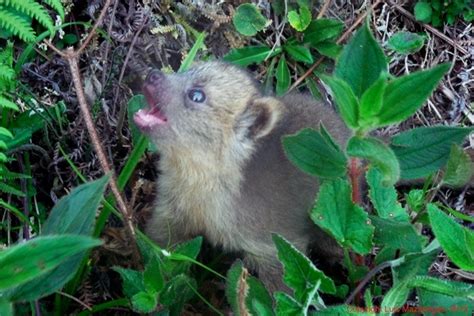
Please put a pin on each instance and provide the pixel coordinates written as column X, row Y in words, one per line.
column 107, row 44
column 324, row 8
column 429, row 28
column 366, row 279
column 339, row 41
column 75, row 300
column 72, row 57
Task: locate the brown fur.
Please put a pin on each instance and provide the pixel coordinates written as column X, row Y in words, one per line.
column 224, row 174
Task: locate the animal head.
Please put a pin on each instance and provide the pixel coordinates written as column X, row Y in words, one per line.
column 214, row 106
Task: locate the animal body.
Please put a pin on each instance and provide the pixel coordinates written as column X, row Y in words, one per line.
column 223, row 171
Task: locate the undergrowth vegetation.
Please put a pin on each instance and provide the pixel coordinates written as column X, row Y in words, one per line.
column 395, row 198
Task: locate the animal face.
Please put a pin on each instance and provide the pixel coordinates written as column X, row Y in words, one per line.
column 210, row 106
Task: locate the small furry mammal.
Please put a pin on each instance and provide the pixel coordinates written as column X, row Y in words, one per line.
column 224, row 174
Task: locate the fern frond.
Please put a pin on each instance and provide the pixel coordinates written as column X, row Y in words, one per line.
column 5, row 103
column 19, row 27
column 10, row 190
column 56, row 5
column 6, row 174
column 6, row 72
column 33, row 10
column 6, row 55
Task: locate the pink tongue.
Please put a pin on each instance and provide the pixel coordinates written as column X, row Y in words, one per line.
column 145, row 119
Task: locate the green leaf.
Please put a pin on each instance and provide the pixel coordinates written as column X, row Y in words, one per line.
column 328, row 49
column 258, row 299
column 406, row 42
column 346, row 310
column 456, row 241
column 5, row 132
column 177, row 292
column 190, row 249
column 236, row 286
column 321, row 30
column 459, row 168
column 404, row 95
column 24, row 262
column 73, row 214
column 413, row 264
column 447, row 287
column 300, row 274
column 152, row 276
column 251, row 54
column 300, row 21
column 299, row 53
column 248, row 20
column 282, row 77
column 347, row 222
column 315, row 153
column 144, row 302
column 424, row 150
column 346, row 102
column 188, row 61
column 287, row 306
column 384, row 198
column 371, row 102
column 454, row 306
column 132, row 281
column 7, row 104
column 361, row 61
column 423, row 12
column 395, row 298
column 395, row 235
column 6, row 308
column 379, row 154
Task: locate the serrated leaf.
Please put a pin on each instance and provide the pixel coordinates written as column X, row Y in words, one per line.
column 406, row 42
column 153, row 277
column 315, row 153
column 321, row 30
column 287, row 306
column 459, row 168
column 144, row 302
column 371, row 102
column 413, row 264
column 282, row 76
column 189, row 248
column 347, row 222
column 384, row 198
column 258, row 299
column 5, row 103
column 132, row 281
column 299, row 53
column 395, row 297
column 423, row 150
column 361, row 61
column 456, row 241
column 328, row 49
column 34, row 258
column 300, row 21
column 404, row 95
column 236, row 286
column 177, row 292
column 455, row 306
column 346, row 101
column 423, row 11
column 248, row 20
column 300, row 274
column 251, row 54
column 378, row 154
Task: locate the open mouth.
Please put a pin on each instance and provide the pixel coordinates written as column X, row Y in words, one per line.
column 147, row 119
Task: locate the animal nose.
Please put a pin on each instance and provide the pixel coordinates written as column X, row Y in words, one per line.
column 154, row 77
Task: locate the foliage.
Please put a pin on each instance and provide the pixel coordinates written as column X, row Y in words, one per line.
column 406, row 42
column 437, row 12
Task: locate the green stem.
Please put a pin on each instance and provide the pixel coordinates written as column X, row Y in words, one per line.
column 121, row 302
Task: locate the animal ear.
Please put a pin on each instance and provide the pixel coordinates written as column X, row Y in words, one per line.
column 260, row 117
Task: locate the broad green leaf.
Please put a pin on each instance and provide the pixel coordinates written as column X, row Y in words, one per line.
column 258, row 297
column 177, row 292
column 346, row 310
column 5, row 132
column 347, row 222
column 328, row 49
column 423, row 12
column 406, row 42
column 413, row 264
column 251, row 54
column 394, row 235
column 299, row 53
column 6, row 308
column 132, row 281
column 235, row 286
column 452, row 305
column 144, row 302
column 300, row 274
column 152, row 276
column 415, row 200
column 384, row 198
column 404, row 95
column 377, row 153
column 321, row 30
column 424, row 150
column 459, row 168
column 300, row 20
column 5, row 103
column 189, row 249
column 395, row 298
column 248, row 20
column 24, row 262
column 447, row 287
column 456, row 241
column 315, row 154
column 361, row 61
column 282, row 76
column 346, row 102
column 191, row 56
column 287, row 306
column 371, row 102
column 73, row 214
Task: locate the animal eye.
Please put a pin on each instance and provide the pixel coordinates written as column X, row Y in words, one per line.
column 196, row 95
